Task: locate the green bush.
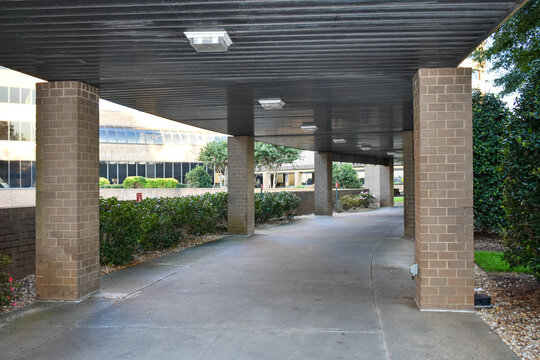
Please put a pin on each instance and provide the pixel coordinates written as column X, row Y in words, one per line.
column 117, row 186
column 357, row 201
column 134, row 182
column 490, row 117
column 198, row 178
column 160, row 183
column 346, row 176
column 8, row 289
column 103, row 181
column 128, row 228
column 275, row 206
column 522, row 184
column 180, row 185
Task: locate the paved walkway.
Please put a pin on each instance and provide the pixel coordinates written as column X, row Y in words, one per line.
column 319, row 288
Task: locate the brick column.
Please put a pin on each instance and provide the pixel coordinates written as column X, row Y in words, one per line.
column 241, row 205
column 67, row 190
column 379, row 179
column 408, row 184
column 323, row 184
column 443, row 189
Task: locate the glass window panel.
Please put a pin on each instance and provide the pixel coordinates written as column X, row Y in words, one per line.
column 121, row 135
column 4, row 94
column 26, row 96
column 15, row 130
column 132, row 169
column 185, row 140
column 111, row 135
column 158, row 137
column 167, row 139
column 15, row 174
column 33, row 92
column 15, row 95
column 131, row 136
column 151, row 170
column 141, row 169
column 113, row 173
column 33, row 174
column 159, row 170
column 192, row 140
column 26, row 174
column 122, row 172
column 4, row 130
column 168, row 170
column 140, row 136
column 4, row 174
column 178, row 171
column 102, row 135
column 185, row 170
column 103, row 169
column 26, row 131
column 177, row 139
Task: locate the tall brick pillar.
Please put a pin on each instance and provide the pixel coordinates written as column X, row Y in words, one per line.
column 323, row 184
column 408, row 184
column 67, row 190
column 443, row 189
column 379, row 179
column 241, row 209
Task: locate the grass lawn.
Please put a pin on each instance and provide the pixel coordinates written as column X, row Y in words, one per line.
column 494, row 262
column 398, row 199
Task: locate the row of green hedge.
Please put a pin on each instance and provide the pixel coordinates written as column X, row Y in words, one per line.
column 139, row 182
column 128, row 228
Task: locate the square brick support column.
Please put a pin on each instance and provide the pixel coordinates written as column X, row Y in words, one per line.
column 379, row 179
column 408, row 184
column 324, row 204
column 241, row 203
column 67, row 190
column 443, row 189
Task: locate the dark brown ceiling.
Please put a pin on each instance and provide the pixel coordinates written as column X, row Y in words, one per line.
column 346, row 65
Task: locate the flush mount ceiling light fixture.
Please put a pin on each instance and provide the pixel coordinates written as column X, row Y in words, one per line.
column 271, row 104
column 339, row 141
column 392, row 153
column 209, row 41
column 309, row 127
column 365, row 148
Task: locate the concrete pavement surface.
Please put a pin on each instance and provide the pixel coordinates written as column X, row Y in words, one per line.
column 318, row 288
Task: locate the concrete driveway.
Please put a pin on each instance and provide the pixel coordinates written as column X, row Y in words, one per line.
column 319, row 288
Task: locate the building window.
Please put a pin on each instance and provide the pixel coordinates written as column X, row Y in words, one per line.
column 4, row 94
column 475, row 75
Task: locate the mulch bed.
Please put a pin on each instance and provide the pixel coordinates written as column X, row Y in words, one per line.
column 515, row 315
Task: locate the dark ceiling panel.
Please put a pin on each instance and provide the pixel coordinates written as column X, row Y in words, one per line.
column 345, row 64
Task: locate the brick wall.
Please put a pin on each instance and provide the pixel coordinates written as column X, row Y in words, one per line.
column 408, row 184
column 443, row 189
column 18, row 240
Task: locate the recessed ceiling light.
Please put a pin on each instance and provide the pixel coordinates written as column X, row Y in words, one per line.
column 339, row 141
column 270, row 104
column 309, row 127
column 365, row 148
column 209, row 41
column 392, row 153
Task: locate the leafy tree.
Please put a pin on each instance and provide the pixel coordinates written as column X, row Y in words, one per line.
column 198, row 178
column 272, row 157
column 345, row 175
column 522, row 184
column 515, row 47
column 214, row 154
column 490, row 117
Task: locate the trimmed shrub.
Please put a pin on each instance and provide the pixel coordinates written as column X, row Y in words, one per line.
column 521, row 200
column 357, row 201
column 490, row 117
column 103, row 181
column 128, row 227
column 346, row 176
column 160, row 183
column 275, row 206
column 198, row 178
column 134, row 182
column 180, row 185
column 117, row 186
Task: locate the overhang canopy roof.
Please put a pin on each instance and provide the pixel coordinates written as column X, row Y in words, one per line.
column 346, row 65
